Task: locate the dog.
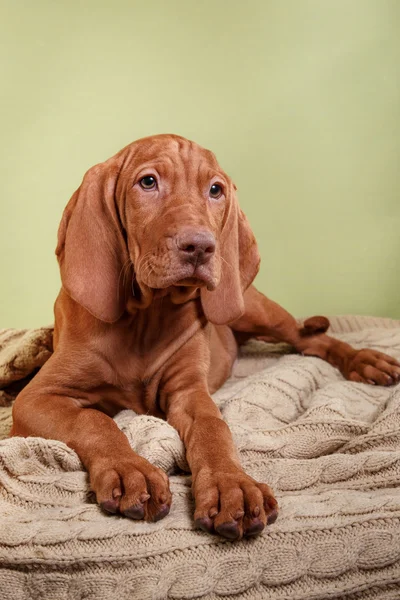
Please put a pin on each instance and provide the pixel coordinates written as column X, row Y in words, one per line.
column 157, row 262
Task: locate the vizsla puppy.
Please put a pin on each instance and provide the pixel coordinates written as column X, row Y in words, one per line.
column 157, row 262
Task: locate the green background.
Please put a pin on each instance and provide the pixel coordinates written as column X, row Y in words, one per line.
column 299, row 99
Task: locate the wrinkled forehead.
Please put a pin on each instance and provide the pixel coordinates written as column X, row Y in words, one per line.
column 173, row 155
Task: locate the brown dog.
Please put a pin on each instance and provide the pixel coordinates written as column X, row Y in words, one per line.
column 157, row 262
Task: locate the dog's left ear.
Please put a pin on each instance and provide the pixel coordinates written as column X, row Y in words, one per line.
column 240, row 262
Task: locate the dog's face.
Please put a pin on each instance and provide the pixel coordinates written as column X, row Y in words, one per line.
column 174, row 204
column 163, row 212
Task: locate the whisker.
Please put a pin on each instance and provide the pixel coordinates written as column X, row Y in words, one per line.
column 145, row 265
column 226, row 262
column 122, row 274
column 126, row 271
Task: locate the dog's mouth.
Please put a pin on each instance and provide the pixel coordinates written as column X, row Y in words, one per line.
column 189, row 282
column 197, row 276
column 200, row 277
column 187, row 276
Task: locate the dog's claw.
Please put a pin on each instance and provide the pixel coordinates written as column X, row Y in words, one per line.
column 272, row 517
column 228, row 530
column 254, row 528
column 164, row 510
column 135, row 512
column 110, row 506
column 205, row 524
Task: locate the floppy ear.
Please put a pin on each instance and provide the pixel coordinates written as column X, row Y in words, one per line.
column 91, row 249
column 240, row 262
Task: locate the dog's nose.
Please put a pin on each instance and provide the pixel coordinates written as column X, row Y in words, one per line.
column 196, row 247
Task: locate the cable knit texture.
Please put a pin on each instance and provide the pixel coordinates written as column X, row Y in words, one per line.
column 329, row 448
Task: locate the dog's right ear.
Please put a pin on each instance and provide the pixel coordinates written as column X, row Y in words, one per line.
column 91, row 248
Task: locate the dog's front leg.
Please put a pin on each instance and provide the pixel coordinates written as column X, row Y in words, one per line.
column 227, row 500
column 123, row 481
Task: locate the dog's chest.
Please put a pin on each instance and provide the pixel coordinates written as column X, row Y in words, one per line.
column 144, row 347
column 141, row 397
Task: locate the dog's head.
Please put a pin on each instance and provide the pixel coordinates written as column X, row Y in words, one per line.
column 160, row 215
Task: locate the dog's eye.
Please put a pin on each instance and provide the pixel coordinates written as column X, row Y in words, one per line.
column 148, row 182
column 215, row 190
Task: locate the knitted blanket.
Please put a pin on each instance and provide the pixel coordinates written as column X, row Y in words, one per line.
column 329, row 448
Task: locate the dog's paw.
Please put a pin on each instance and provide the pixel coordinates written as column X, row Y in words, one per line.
column 232, row 504
column 376, row 368
column 131, row 487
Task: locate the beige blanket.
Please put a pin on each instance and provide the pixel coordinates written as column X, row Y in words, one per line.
column 328, row 447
